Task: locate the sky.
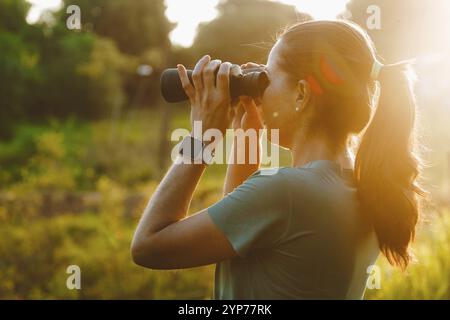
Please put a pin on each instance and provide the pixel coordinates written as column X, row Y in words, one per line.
column 188, row 15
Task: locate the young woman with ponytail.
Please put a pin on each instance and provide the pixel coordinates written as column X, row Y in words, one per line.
column 309, row 231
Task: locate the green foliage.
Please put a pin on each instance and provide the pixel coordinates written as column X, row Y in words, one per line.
column 45, row 156
column 44, row 230
column 135, row 26
column 18, row 71
column 12, row 15
column 47, row 70
column 71, row 74
column 35, row 259
column 82, row 73
column 82, row 153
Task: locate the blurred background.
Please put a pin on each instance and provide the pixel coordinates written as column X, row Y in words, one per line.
column 84, row 134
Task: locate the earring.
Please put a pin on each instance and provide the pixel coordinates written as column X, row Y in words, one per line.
column 297, row 109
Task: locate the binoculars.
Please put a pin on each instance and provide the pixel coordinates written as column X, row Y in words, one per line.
column 249, row 82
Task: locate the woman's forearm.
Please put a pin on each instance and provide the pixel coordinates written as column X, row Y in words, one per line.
column 238, row 173
column 170, row 202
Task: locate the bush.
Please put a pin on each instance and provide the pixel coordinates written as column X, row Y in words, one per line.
column 18, row 72
column 35, row 259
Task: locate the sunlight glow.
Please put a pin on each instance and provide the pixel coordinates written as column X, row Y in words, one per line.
column 319, row 9
column 188, row 15
column 39, row 6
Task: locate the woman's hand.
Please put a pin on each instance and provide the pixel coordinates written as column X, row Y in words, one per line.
column 209, row 95
column 247, row 114
column 247, row 117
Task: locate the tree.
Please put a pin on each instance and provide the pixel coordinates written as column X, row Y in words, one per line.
column 244, row 30
column 82, row 75
column 12, row 15
column 135, row 26
column 139, row 28
column 18, row 62
column 50, row 71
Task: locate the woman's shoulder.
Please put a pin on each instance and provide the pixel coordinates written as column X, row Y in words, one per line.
column 283, row 180
column 282, row 174
column 277, row 179
column 274, row 175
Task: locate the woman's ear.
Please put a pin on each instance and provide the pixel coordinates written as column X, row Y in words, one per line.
column 303, row 95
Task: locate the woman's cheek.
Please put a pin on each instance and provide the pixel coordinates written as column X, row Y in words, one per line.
column 268, row 102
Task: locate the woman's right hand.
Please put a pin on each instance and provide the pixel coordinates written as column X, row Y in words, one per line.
column 248, row 115
column 209, row 94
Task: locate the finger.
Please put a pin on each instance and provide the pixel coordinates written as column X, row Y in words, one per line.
column 185, row 82
column 240, row 110
column 209, row 74
column 197, row 73
column 231, row 115
column 249, row 65
column 232, row 112
column 249, row 106
column 223, row 78
column 235, row 102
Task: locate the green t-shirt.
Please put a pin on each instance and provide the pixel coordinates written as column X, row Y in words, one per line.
column 298, row 233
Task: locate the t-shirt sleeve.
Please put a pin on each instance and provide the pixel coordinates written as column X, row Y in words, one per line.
column 255, row 215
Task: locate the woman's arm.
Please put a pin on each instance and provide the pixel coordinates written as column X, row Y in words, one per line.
column 247, row 118
column 165, row 238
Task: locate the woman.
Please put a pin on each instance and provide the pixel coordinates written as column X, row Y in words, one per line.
column 312, row 230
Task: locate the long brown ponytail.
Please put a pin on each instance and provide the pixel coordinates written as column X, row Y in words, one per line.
column 386, row 167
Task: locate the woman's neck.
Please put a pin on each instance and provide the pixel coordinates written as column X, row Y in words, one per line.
column 307, row 149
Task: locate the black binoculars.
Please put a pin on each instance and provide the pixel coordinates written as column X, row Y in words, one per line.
column 249, row 82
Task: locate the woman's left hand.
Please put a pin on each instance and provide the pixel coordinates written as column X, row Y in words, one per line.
column 209, row 95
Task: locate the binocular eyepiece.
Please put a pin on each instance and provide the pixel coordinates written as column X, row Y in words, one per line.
column 249, row 82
